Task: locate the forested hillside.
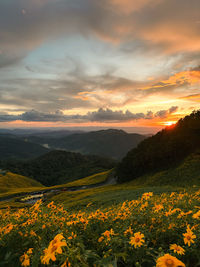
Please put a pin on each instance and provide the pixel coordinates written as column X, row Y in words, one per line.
column 57, row 167
column 15, row 148
column 163, row 150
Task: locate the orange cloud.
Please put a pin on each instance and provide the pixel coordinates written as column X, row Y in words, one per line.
column 194, row 97
column 128, row 6
column 185, row 77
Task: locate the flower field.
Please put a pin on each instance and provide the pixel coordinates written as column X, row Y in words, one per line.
column 153, row 230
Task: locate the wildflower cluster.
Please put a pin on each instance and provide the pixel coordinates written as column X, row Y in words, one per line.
column 154, row 230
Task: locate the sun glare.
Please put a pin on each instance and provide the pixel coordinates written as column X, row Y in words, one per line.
column 168, row 123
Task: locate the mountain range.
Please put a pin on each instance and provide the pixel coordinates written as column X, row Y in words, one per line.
column 29, row 144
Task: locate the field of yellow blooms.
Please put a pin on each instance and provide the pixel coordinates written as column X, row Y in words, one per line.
column 154, row 230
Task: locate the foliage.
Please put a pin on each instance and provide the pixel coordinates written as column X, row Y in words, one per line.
column 187, row 173
column 163, row 150
column 150, row 230
column 57, row 167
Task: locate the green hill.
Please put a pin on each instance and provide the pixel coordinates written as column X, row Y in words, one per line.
column 12, row 147
column 107, row 143
column 58, row 167
column 11, row 180
column 91, row 180
column 162, row 151
column 11, row 183
column 186, row 174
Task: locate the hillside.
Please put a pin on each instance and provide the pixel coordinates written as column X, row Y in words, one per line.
column 162, row 151
column 57, row 167
column 107, row 143
column 11, row 183
column 11, row 180
column 12, row 147
column 185, row 174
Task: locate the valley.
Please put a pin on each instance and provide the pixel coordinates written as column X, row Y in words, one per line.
column 121, row 213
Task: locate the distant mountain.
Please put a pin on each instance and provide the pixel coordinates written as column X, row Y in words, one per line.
column 107, row 143
column 12, row 147
column 164, row 150
column 39, row 132
column 57, row 167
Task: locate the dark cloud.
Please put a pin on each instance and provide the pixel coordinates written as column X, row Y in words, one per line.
column 161, row 25
column 164, row 113
column 173, row 109
column 101, row 115
column 129, row 27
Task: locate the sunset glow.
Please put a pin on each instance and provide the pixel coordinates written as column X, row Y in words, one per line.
column 168, row 123
column 101, row 63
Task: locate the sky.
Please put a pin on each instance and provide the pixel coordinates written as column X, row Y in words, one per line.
column 101, row 63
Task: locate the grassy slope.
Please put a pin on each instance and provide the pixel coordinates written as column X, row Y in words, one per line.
column 13, row 183
column 187, row 174
column 93, row 179
column 106, row 195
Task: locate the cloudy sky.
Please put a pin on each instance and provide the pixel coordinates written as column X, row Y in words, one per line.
column 98, row 62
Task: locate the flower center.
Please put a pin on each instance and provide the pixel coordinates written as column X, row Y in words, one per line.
column 137, row 239
column 188, row 237
column 53, row 249
column 169, row 263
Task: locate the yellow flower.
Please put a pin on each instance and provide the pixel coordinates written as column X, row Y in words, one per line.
column 128, row 231
column 157, row 207
column 25, row 260
column 8, row 228
column 72, row 236
column 53, row 248
column 147, row 195
column 188, row 237
column 100, row 239
column 108, row 234
column 196, row 215
column 177, row 249
column 137, row 240
column 169, row 261
column 30, row 251
column 66, row 263
column 51, row 205
column 33, row 233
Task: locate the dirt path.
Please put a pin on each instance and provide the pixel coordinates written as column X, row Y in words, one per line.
column 32, row 197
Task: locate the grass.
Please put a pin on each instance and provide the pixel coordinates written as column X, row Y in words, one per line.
column 12, row 181
column 12, row 184
column 105, row 195
column 90, row 180
column 185, row 174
